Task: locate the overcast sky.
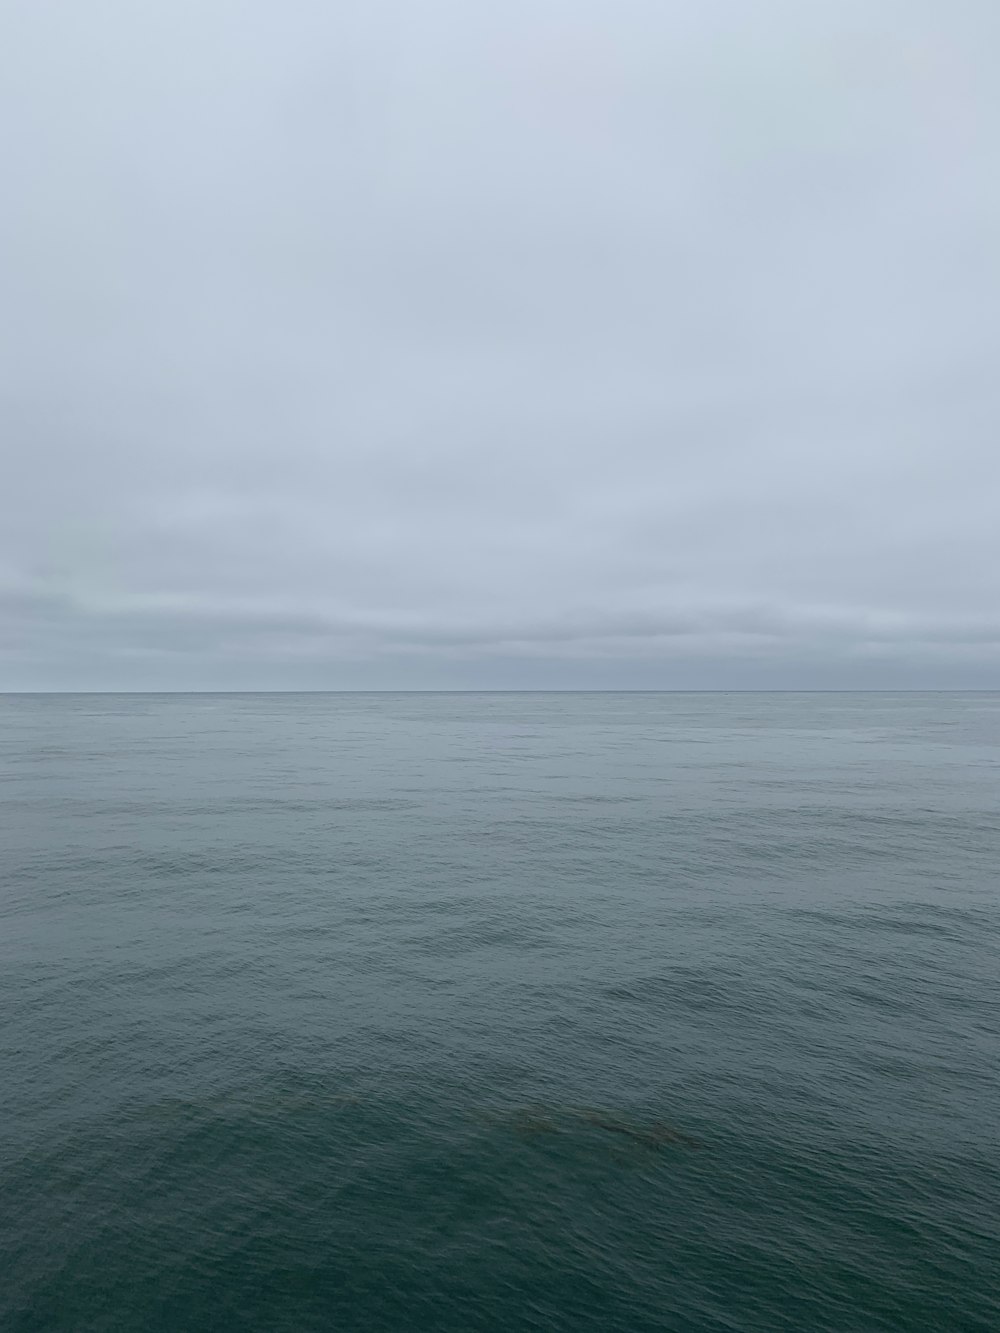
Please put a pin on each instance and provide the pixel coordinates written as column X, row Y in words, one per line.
column 430, row 343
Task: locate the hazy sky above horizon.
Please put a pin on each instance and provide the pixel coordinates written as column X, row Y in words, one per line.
column 443, row 343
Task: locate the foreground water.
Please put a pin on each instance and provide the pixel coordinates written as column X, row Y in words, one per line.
column 500, row 1012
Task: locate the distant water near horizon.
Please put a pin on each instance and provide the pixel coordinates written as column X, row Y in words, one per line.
column 500, row 1012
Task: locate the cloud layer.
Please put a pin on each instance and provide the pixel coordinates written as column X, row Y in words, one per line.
column 433, row 344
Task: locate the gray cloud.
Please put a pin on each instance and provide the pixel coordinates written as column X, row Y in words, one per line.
column 453, row 344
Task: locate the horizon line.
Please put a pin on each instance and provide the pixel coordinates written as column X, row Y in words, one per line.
column 738, row 689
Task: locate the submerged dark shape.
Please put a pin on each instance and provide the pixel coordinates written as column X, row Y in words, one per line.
column 653, row 1136
column 534, row 1120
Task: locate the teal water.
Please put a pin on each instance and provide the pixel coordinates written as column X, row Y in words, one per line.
column 500, row 1012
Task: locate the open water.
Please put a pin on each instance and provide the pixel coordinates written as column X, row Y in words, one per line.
column 500, row 1012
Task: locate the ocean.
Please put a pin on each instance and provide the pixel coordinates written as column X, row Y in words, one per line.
column 506, row 1012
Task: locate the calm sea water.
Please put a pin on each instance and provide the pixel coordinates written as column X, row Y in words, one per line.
column 500, row 1012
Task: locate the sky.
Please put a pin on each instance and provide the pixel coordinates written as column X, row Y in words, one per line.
column 431, row 344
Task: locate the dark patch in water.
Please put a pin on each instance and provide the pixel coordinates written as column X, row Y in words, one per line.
column 654, row 1135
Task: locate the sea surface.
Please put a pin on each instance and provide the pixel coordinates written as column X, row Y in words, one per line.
column 506, row 1012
